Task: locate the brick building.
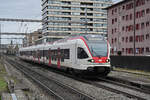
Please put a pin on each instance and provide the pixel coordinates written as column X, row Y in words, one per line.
column 123, row 37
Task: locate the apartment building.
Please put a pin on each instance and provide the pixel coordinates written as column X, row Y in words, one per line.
column 129, row 27
column 72, row 17
column 31, row 38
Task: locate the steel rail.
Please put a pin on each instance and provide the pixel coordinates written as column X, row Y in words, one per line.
column 37, row 81
column 100, row 85
column 81, row 95
column 125, row 83
column 113, row 90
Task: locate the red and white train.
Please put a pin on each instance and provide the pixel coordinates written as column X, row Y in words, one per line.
column 87, row 54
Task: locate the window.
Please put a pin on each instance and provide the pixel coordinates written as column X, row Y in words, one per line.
column 147, row 11
column 130, row 50
column 122, row 39
column 142, row 25
column 142, row 50
column 122, row 49
column 137, row 38
column 142, row 38
column 147, row 49
column 147, row 24
column 126, row 39
column 41, row 53
column 112, row 41
column 143, row 13
column 112, row 31
column 131, row 39
column 112, row 21
column 112, row 12
column 112, row 51
column 115, row 29
column 123, row 28
column 116, row 10
column 123, row 17
column 137, row 14
column 81, row 53
column 115, row 39
column 46, row 54
column 115, row 19
column 123, row 7
column 126, row 50
column 140, row 2
column 62, row 55
column 126, row 17
column 130, row 16
column 126, row 28
column 147, row 36
column 137, row 26
column 66, row 54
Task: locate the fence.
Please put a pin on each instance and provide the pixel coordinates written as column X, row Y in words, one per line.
column 131, row 62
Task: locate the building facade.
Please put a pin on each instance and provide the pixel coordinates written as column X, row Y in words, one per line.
column 71, row 17
column 30, row 39
column 128, row 27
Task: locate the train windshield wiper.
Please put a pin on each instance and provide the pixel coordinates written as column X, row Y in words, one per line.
column 96, row 54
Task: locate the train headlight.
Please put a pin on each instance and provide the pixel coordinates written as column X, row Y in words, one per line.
column 108, row 60
column 91, row 60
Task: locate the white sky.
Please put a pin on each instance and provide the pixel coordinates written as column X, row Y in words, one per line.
column 27, row 9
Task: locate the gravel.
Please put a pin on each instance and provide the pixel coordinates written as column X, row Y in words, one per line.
column 98, row 93
column 34, row 93
column 131, row 77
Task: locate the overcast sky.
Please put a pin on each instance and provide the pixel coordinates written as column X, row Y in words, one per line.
column 27, row 9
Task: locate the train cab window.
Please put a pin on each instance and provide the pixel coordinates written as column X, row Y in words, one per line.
column 81, row 53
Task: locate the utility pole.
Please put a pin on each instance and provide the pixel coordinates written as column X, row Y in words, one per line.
column 134, row 19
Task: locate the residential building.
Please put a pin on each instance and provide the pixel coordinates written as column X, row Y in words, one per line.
column 128, row 27
column 71, row 17
column 30, row 39
column 48, row 39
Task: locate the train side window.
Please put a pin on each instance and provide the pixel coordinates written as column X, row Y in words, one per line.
column 62, row 55
column 66, row 54
column 81, row 53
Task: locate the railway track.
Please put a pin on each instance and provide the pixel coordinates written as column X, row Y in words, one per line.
column 118, row 88
column 105, row 84
column 125, row 83
column 59, row 90
column 130, row 72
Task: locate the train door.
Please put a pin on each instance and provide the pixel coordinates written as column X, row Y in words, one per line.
column 74, row 54
column 38, row 56
column 34, row 56
column 81, row 56
column 58, row 57
column 43, row 55
column 49, row 54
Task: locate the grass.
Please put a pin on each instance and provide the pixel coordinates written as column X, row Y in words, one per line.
column 3, row 84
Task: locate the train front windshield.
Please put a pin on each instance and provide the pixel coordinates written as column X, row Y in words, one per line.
column 98, row 49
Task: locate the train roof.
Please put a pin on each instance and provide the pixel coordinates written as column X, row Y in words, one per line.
column 44, row 45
